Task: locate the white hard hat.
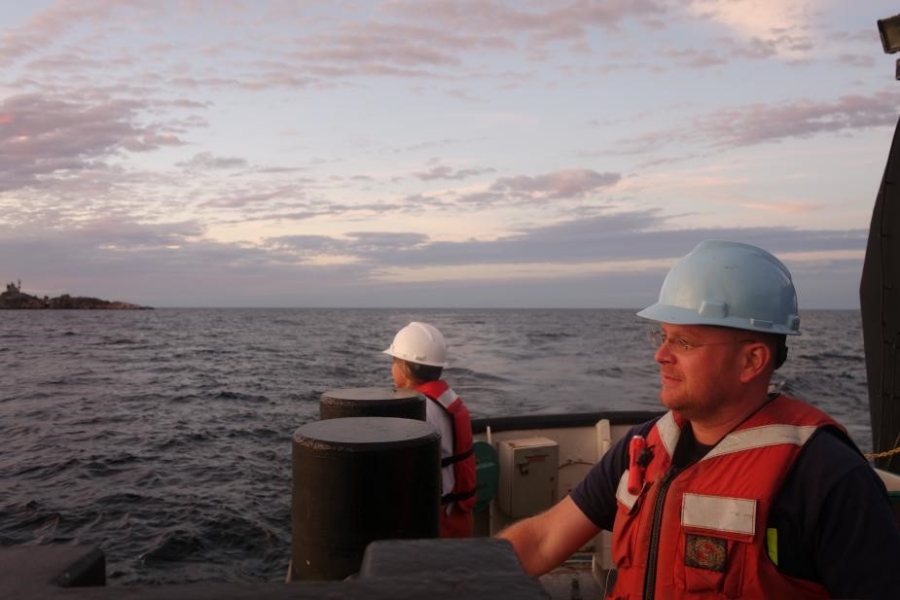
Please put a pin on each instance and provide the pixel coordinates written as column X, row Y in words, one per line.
column 731, row 285
column 419, row 343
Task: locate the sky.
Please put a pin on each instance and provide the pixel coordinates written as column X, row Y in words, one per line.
column 434, row 154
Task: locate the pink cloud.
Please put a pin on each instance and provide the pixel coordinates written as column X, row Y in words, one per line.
column 43, row 136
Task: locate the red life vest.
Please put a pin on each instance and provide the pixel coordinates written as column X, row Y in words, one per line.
column 702, row 532
column 463, row 457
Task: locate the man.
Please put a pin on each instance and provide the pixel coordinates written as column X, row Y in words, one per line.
column 737, row 492
column 420, row 355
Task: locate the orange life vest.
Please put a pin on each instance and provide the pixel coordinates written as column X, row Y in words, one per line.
column 701, row 532
column 463, row 458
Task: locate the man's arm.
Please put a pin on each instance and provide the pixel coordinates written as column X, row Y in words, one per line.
column 858, row 551
column 835, row 523
column 544, row 541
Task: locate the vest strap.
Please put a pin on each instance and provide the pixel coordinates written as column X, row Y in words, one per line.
column 449, row 460
column 457, row 496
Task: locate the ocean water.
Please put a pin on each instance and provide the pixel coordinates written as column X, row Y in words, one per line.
column 164, row 436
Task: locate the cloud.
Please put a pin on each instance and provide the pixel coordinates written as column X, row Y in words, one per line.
column 626, row 236
column 445, row 172
column 544, row 22
column 252, row 197
column 175, row 263
column 761, row 123
column 208, row 161
column 773, row 26
column 41, row 30
column 573, row 183
column 307, row 245
column 93, row 245
column 361, row 245
column 318, row 48
column 379, row 241
column 764, row 123
column 44, row 137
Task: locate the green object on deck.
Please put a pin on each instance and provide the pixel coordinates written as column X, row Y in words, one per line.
column 487, row 474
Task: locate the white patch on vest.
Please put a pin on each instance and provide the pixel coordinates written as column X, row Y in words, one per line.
column 761, row 437
column 718, row 513
column 447, row 398
column 622, row 494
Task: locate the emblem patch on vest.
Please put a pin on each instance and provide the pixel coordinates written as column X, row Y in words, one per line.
column 706, row 553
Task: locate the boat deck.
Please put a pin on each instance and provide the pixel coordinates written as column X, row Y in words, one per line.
column 573, row 580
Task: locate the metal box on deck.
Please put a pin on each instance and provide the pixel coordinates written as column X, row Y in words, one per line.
column 528, row 476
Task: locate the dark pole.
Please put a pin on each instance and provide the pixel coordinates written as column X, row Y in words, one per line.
column 879, row 294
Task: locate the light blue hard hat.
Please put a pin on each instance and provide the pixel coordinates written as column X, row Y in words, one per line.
column 728, row 284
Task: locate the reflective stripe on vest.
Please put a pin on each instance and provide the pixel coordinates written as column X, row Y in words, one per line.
column 738, row 441
column 623, row 495
column 447, row 398
column 761, row 437
column 669, row 431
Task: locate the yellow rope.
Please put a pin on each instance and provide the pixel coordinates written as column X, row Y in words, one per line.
column 883, row 454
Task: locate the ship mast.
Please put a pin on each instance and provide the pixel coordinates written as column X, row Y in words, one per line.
column 879, row 293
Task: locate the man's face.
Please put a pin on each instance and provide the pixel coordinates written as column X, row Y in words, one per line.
column 699, row 367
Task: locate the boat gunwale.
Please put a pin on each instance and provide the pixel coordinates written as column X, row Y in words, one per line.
column 562, row 420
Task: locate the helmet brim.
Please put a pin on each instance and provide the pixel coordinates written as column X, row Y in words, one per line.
column 677, row 315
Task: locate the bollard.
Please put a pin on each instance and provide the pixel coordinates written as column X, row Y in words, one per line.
column 372, row 402
column 356, row 480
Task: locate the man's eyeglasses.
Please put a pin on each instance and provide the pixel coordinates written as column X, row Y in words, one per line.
column 658, row 337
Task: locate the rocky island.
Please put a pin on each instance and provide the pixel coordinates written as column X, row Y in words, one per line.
column 14, row 298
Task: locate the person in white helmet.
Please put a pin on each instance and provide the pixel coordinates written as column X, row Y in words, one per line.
column 735, row 492
column 420, row 355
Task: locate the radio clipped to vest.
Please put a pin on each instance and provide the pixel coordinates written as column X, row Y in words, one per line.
column 639, row 456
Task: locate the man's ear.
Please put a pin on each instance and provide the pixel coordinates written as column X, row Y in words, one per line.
column 757, row 359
